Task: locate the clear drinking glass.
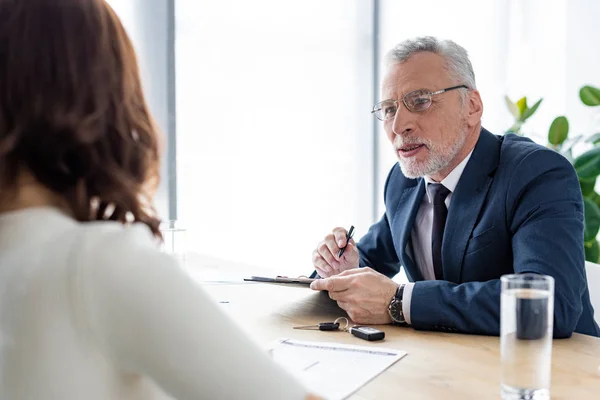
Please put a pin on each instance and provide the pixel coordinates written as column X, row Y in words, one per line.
column 527, row 314
column 174, row 240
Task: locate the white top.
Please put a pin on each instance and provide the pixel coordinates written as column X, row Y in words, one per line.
column 95, row 311
column 421, row 233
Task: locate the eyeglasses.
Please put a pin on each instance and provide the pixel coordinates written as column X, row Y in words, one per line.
column 415, row 101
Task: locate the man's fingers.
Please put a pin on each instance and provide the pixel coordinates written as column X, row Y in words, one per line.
column 342, row 295
column 355, row 313
column 355, row 271
column 325, row 250
column 324, row 284
column 344, row 305
column 333, row 284
column 351, row 251
column 321, row 265
column 340, row 236
column 322, row 273
column 319, row 284
column 333, row 248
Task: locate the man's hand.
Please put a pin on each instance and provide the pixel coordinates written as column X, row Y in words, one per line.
column 325, row 257
column 363, row 293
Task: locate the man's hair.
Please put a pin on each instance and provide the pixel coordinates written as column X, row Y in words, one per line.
column 72, row 111
column 457, row 59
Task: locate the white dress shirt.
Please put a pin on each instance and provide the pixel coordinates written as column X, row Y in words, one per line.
column 421, row 233
column 95, row 311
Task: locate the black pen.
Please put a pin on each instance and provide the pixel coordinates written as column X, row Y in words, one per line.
column 348, row 237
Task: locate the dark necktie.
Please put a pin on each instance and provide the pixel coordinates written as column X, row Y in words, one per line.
column 440, row 212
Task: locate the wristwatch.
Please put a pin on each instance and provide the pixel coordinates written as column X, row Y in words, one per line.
column 395, row 307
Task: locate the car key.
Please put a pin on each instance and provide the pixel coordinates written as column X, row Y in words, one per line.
column 367, row 333
column 322, row 326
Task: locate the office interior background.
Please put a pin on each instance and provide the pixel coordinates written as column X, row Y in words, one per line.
column 265, row 105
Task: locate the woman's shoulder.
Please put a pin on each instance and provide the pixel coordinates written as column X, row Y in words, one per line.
column 112, row 242
column 112, row 256
column 116, row 235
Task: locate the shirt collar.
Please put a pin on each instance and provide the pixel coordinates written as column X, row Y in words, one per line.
column 451, row 180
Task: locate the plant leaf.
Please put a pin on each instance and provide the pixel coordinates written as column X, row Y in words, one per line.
column 590, row 96
column 592, row 251
column 522, row 106
column 512, row 107
column 595, row 197
column 587, row 165
column 592, row 219
column 587, row 186
column 529, row 112
column 559, row 130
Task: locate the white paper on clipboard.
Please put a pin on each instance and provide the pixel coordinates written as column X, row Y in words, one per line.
column 332, row 370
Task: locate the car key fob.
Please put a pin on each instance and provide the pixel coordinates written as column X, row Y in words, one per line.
column 367, row 333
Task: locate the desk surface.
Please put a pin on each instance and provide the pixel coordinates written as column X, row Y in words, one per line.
column 438, row 365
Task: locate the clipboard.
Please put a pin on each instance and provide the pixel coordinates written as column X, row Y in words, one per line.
column 302, row 280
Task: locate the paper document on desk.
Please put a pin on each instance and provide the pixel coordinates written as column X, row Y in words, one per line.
column 331, row 370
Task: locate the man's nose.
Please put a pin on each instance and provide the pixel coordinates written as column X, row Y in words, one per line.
column 404, row 121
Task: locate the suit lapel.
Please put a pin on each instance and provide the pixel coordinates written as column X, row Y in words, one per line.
column 466, row 203
column 404, row 218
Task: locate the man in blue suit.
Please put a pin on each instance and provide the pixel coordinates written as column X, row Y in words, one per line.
column 463, row 208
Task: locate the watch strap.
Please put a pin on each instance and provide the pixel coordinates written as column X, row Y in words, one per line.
column 400, row 291
column 398, row 300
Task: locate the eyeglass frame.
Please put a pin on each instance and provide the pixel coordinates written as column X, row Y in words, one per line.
column 431, row 94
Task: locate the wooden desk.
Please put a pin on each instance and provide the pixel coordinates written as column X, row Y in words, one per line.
column 438, row 365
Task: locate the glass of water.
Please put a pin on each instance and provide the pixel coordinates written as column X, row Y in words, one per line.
column 527, row 314
column 174, row 239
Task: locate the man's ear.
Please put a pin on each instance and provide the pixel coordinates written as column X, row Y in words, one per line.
column 474, row 107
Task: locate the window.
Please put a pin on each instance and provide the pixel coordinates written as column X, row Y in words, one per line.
column 274, row 134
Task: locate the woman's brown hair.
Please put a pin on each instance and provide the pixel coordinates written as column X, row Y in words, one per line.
column 72, row 111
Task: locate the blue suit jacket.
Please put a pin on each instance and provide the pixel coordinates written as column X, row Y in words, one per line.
column 517, row 208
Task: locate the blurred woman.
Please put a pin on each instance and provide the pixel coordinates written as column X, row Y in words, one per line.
column 89, row 308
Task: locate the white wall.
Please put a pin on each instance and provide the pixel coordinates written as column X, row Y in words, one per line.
column 583, row 62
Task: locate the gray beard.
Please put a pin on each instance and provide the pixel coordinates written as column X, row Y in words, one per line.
column 437, row 161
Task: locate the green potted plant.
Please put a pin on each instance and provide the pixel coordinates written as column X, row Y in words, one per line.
column 587, row 164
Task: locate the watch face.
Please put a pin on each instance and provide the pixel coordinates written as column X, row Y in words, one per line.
column 396, row 311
